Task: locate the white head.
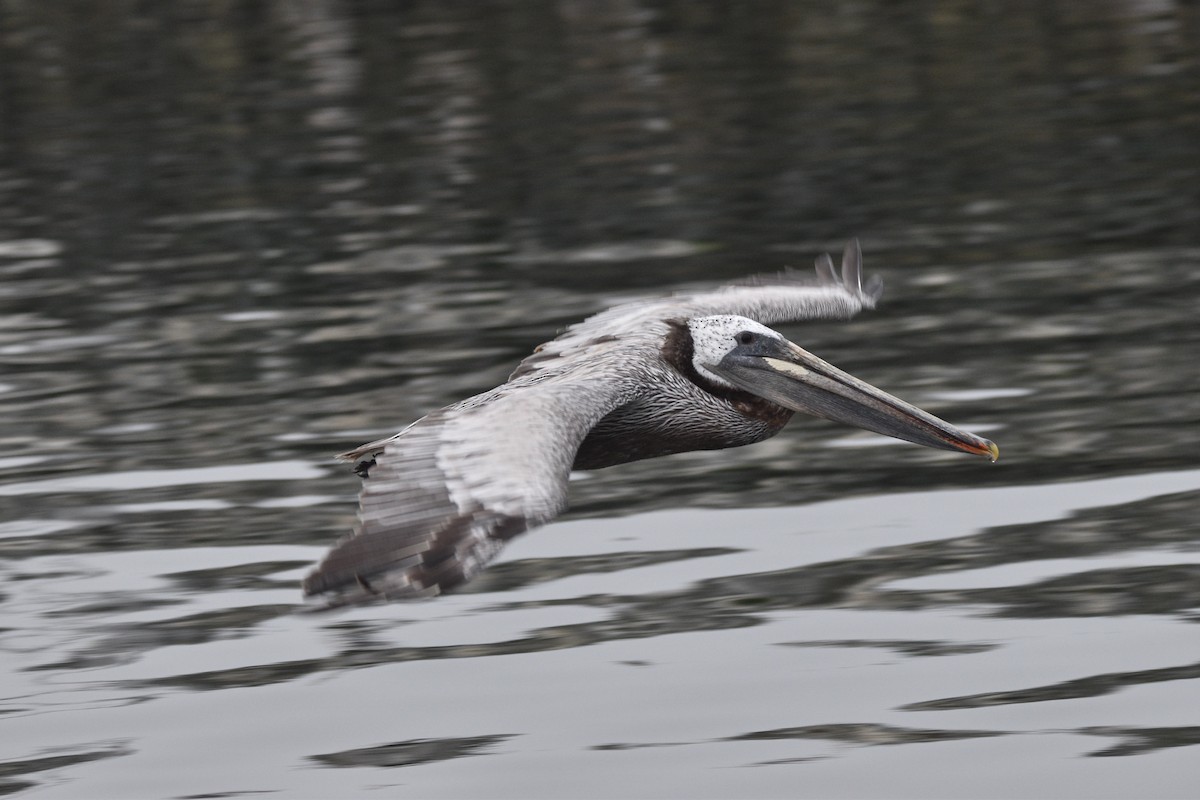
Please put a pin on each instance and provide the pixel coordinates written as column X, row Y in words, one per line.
column 713, row 338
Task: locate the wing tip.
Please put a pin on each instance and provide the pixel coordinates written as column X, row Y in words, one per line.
column 825, row 271
column 851, row 277
column 387, row 564
column 322, row 594
column 852, row 266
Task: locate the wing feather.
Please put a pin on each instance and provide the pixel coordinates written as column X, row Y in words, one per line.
column 443, row 496
column 789, row 296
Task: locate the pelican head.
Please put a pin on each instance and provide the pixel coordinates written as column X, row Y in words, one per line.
column 737, row 352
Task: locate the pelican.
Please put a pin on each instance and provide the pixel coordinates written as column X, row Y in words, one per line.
column 698, row 371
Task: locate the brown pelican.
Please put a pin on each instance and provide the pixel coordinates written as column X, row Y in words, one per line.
column 697, row 371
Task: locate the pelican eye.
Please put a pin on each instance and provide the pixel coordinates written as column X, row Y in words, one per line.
column 746, row 337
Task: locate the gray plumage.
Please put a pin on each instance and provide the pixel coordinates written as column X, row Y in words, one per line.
column 441, row 497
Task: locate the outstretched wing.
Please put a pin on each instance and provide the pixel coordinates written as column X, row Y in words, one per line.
column 791, row 296
column 444, row 495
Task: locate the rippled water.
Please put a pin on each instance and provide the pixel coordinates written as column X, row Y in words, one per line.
column 234, row 241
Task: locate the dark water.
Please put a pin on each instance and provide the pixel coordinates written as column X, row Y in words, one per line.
column 238, row 237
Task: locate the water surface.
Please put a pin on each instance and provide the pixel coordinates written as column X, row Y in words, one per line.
column 235, row 241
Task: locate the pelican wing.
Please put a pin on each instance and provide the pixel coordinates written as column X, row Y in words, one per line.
column 790, row 296
column 793, row 296
column 443, row 496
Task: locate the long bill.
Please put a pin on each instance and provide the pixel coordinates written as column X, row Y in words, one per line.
column 789, row 375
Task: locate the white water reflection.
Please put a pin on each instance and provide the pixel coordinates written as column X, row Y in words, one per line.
column 29, row 248
column 289, row 470
column 200, row 504
column 36, row 527
column 968, row 395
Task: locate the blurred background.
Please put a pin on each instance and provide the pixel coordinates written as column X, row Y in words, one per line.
column 238, row 237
